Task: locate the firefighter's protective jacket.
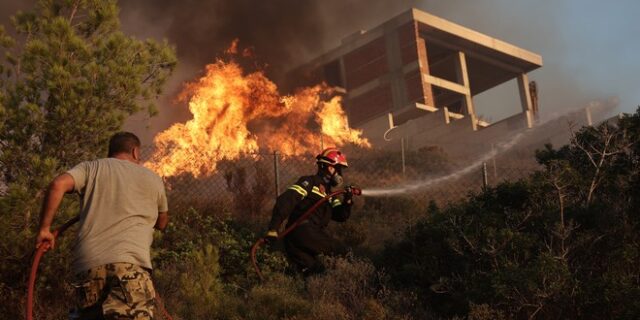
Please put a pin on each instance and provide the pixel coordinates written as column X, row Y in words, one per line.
column 301, row 196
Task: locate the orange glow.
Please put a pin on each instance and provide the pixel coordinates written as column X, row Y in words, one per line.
column 237, row 114
column 233, row 48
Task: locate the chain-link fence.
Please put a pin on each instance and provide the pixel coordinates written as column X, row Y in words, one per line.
column 246, row 187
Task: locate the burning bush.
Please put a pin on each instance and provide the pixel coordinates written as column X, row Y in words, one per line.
column 236, row 114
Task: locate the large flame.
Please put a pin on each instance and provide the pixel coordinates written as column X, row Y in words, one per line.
column 237, row 114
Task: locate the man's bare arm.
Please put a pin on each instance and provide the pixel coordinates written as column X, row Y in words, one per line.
column 57, row 188
column 163, row 220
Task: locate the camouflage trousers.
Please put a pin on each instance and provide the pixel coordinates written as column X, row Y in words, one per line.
column 114, row 291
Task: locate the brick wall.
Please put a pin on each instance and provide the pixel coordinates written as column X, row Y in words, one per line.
column 413, row 47
column 414, row 87
column 407, row 42
column 370, row 104
column 371, row 61
column 366, row 63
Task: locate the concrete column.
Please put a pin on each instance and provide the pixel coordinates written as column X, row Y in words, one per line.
column 423, row 63
column 462, row 76
column 445, row 111
column 343, row 72
column 525, row 98
column 345, row 100
column 398, row 89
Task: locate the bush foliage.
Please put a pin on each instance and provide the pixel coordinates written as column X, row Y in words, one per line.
column 562, row 244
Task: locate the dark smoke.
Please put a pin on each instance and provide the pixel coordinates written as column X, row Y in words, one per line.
column 285, row 33
column 277, row 30
column 281, row 33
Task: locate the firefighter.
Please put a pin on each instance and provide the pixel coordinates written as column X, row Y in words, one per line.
column 305, row 243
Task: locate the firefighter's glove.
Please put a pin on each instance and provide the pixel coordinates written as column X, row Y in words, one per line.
column 348, row 196
column 271, row 237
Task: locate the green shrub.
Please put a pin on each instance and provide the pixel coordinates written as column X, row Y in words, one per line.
column 562, row 244
column 199, row 289
column 234, row 241
column 281, row 297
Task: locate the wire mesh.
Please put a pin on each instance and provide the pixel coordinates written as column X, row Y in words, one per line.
column 246, row 187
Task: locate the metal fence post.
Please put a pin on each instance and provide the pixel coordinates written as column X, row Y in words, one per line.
column 493, row 160
column 485, row 182
column 276, row 172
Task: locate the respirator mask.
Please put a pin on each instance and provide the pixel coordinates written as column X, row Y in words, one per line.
column 336, row 179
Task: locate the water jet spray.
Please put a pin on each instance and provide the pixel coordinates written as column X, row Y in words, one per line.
column 416, row 186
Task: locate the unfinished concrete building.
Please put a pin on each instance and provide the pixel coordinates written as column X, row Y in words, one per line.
column 415, row 77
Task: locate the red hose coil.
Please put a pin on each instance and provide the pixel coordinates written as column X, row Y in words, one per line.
column 36, row 261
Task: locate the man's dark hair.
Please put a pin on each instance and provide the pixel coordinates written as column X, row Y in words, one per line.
column 123, row 142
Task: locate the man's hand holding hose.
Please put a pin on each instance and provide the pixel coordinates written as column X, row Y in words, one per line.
column 45, row 238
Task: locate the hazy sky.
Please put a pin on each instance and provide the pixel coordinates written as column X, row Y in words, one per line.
column 590, row 48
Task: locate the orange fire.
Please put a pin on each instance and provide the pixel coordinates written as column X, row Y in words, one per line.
column 237, row 114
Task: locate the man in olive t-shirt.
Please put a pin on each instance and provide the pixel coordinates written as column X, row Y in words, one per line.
column 121, row 203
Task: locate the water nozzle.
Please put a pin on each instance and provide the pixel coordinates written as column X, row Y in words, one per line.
column 353, row 190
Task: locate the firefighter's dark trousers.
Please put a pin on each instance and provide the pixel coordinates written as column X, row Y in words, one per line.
column 305, row 243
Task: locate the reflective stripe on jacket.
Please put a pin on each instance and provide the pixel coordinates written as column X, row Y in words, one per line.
column 301, row 196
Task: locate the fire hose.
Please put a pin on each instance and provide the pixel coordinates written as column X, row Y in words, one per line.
column 294, row 225
column 36, row 261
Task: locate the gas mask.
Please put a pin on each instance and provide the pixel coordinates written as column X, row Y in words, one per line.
column 336, row 178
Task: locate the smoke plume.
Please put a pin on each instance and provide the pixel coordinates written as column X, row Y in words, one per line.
column 285, row 33
column 281, row 34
